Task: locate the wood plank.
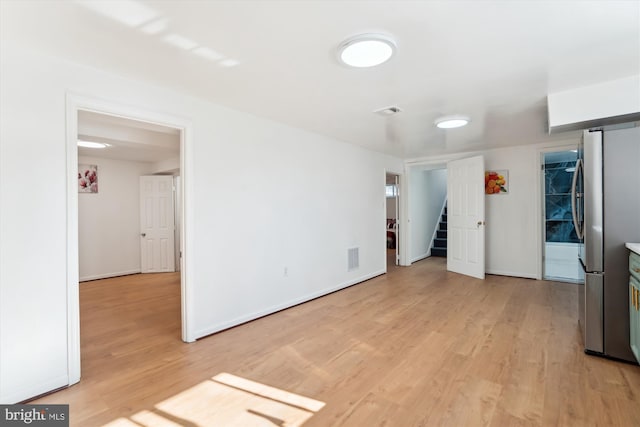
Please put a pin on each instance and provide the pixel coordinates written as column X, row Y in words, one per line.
column 419, row 346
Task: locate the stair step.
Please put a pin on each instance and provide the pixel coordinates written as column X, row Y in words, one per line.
column 441, row 234
column 441, row 252
column 440, row 243
column 443, row 226
column 444, row 217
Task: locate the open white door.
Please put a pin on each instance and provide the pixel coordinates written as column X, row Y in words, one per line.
column 156, row 224
column 397, row 202
column 465, row 216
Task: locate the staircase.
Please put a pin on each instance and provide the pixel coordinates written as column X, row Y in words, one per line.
column 439, row 247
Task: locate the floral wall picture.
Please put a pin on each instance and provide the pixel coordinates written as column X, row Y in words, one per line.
column 87, row 178
column 496, row 182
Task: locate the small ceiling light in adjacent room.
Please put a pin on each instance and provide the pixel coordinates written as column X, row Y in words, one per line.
column 450, row 122
column 366, row 50
column 91, row 144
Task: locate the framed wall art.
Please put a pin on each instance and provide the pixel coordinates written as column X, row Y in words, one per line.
column 87, row 178
column 496, row 182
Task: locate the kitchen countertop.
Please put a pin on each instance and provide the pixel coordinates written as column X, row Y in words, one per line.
column 635, row 247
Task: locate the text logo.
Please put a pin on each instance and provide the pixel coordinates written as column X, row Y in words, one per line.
column 34, row 415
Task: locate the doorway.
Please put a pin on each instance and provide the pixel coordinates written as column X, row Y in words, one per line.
column 392, row 193
column 117, row 158
column 427, row 211
column 147, row 120
column 428, row 199
column 560, row 248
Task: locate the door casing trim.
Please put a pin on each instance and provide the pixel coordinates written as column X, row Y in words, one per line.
column 74, row 103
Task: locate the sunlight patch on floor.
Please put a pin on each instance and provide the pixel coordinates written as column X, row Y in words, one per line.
column 227, row 400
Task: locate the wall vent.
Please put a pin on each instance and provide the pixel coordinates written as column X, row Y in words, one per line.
column 353, row 256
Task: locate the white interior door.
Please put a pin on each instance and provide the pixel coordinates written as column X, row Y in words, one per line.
column 156, row 224
column 465, row 216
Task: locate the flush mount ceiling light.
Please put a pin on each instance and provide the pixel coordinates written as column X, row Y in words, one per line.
column 366, row 50
column 450, row 122
column 91, row 144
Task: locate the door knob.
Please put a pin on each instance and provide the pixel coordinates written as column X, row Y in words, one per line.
column 480, row 223
column 143, row 234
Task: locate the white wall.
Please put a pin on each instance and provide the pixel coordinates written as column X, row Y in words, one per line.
column 166, row 166
column 280, row 188
column 513, row 219
column 109, row 221
column 427, row 192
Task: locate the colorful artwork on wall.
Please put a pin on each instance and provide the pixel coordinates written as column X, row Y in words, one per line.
column 496, row 182
column 87, row 178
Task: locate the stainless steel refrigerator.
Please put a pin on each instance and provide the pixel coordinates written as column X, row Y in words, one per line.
column 605, row 201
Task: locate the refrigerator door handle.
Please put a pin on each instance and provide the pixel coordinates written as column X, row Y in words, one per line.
column 574, row 213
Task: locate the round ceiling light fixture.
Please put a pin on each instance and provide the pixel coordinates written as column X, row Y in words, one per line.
column 366, row 50
column 450, row 122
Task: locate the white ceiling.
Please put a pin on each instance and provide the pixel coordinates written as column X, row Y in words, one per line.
column 128, row 139
column 493, row 60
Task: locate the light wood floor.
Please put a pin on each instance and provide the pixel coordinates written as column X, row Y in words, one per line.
column 417, row 347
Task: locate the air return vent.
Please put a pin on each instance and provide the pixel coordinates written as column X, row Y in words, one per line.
column 388, row 111
column 353, row 255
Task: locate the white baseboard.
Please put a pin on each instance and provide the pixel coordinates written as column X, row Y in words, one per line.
column 275, row 308
column 421, row 257
column 107, row 275
column 513, row 274
column 562, row 279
